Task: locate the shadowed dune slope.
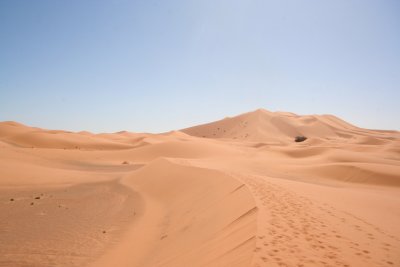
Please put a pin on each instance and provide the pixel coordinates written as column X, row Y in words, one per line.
column 194, row 217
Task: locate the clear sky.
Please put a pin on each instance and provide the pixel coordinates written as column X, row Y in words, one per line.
column 146, row 65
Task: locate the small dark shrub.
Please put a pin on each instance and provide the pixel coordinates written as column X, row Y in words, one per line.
column 300, row 138
column 125, row 162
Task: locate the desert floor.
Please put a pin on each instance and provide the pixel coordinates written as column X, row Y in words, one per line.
column 236, row 192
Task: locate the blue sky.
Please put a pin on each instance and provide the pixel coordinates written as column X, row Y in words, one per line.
column 155, row 66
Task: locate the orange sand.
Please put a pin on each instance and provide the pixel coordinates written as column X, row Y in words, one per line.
column 236, row 192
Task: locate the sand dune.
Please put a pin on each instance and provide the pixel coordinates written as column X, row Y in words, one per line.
column 262, row 125
column 236, row 192
column 24, row 136
column 265, row 126
column 204, row 218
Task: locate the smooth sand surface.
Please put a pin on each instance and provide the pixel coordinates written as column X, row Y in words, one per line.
column 235, row 192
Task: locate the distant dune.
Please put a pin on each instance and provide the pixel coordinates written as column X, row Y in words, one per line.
column 281, row 127
column 235, row 192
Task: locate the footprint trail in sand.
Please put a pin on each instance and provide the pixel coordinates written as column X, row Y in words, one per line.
column 313, row 234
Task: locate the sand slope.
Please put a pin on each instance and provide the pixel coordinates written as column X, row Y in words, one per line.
column 62, row 225
column 204, row 218
column 246, row 195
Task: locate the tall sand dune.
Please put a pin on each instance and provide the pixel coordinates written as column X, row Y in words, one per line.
column 262, row 125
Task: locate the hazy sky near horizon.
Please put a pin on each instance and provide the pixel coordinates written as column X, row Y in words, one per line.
column 155, row 66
